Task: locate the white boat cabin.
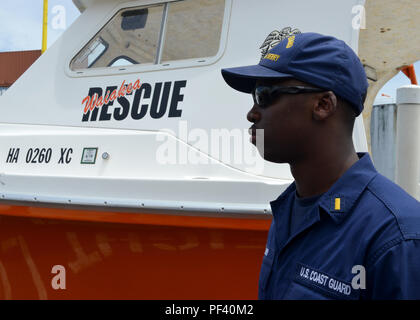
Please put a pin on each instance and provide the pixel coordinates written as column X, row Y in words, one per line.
column 128, row 109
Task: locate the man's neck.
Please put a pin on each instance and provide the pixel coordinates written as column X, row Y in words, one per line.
column 318, row 173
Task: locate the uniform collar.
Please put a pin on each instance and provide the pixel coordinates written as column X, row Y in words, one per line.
column 338, row 201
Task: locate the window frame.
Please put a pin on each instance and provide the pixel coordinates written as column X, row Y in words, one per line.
column 122, row 57
column 184, row 63
column 106, row 45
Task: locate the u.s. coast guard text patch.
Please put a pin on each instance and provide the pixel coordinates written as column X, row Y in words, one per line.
column 324, row 282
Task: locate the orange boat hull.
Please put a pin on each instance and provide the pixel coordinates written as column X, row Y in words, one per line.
column 116, row 255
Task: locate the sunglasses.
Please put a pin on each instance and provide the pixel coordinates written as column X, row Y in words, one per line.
column 264, row 96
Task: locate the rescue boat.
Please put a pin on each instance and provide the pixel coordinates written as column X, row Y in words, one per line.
column 127, row 171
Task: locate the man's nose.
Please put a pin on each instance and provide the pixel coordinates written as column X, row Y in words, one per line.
column 253, row 115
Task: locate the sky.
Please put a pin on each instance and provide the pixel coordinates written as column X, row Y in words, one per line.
column 21, row 29
column 21, row 22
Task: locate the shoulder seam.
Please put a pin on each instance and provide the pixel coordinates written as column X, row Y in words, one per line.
column 390, row 244
column 389, row 207
column 380, row 251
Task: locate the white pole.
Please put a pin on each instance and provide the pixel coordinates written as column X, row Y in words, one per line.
column 408, row 139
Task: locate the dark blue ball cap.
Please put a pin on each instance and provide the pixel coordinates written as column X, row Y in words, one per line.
column 320, row 60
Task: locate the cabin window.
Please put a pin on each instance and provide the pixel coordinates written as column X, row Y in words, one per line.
column 193, row 29
column 187, row 29
column 131, row 37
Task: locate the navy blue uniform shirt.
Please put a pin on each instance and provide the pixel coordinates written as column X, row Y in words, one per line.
column 360, row 241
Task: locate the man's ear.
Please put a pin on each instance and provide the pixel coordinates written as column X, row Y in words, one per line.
column 325, row 106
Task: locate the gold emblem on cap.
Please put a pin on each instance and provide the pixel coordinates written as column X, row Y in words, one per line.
column 275, row 37
column 272, row 56
column 290, row 42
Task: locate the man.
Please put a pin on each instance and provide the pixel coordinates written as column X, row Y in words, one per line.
column 341, row 230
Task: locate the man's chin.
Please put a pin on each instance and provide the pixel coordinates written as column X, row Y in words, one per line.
column 275, row 158
column 270, row 155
